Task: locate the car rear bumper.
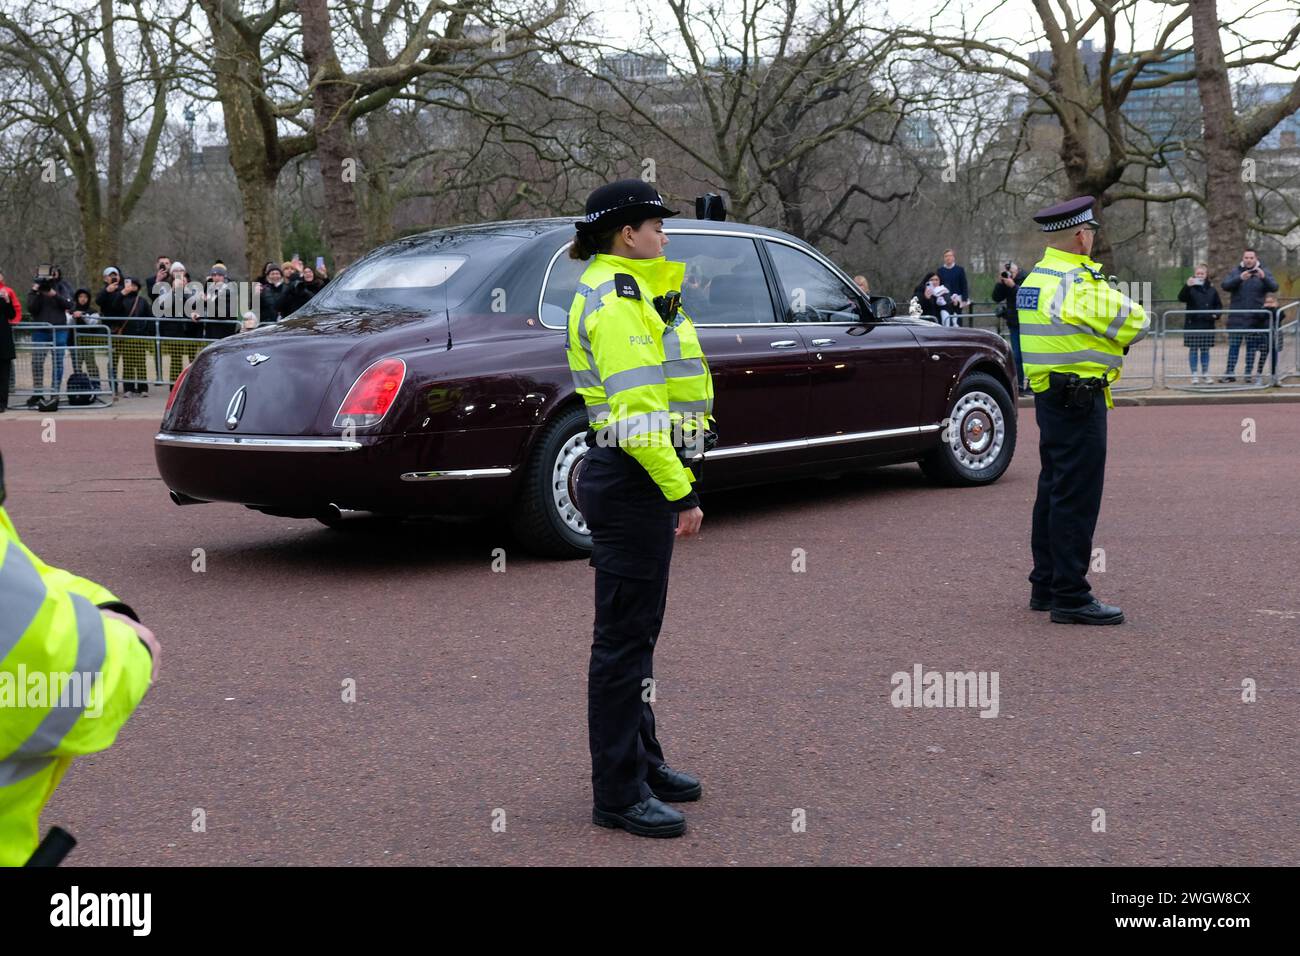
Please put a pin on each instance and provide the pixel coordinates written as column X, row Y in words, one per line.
column 396, row 474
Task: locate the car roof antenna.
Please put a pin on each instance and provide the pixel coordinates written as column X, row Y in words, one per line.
column 446, row 313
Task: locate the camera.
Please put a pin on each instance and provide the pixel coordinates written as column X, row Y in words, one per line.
column 1006, row 270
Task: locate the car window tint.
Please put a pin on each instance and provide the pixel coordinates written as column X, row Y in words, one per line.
column 561, row 285
column 724, row 281
column 812, row 292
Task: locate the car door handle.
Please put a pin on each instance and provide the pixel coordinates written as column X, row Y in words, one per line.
column 783, row 344
column 823, row 341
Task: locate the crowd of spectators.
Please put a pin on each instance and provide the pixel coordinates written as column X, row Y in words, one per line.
column 169, row 306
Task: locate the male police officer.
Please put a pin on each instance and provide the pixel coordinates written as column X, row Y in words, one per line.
column 74, row 663
column 1074, row 331
column 637, row 363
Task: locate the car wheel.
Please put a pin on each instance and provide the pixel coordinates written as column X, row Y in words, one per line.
column 978, row 437
column 547, row 520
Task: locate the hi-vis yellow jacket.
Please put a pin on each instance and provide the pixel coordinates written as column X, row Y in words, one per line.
column 642, row 379
column 69, row 679
column 1071, row 320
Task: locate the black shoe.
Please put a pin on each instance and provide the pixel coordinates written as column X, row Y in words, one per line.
column 33, row 400
column 649, row 818
column 672, row 786
column 1092, row 613
column 1228, row 378
column 1039, row 604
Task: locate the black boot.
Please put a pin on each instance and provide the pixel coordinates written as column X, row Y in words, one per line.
column 1092, row 613
column 649, row 818
column 672, row 786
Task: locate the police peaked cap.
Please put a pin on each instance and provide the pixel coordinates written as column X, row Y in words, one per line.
column 618, row 204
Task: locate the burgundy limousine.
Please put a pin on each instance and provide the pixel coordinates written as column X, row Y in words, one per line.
column 430, row 378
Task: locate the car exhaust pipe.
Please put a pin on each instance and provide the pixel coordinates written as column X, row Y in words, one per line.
column 181, row 499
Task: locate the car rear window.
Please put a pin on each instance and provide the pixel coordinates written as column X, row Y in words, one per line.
column 422, row 273
column 400, row 272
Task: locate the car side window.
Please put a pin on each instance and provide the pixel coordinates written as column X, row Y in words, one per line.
column 812, row 292
column 561, row 286
column 724, row 282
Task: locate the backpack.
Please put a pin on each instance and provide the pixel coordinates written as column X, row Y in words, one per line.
column 81, row 389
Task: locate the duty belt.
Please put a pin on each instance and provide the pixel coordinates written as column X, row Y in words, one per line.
column 1074, row 390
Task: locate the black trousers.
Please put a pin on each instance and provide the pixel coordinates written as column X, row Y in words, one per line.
column 632, row 530
column 1072, row 451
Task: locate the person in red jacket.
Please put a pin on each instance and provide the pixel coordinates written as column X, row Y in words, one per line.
column 11, row 313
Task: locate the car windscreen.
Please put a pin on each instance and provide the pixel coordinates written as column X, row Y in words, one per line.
column 424, row 276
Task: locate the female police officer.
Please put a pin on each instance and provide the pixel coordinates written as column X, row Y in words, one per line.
column 637, row 363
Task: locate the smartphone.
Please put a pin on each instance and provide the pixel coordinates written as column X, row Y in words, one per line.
column 320, row 263
column 45, row 270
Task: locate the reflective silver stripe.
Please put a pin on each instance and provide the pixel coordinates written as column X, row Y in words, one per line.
column 1142, row 332
column 22, row 592
column 585, row 378
column 90, row 660
column 1125, row 307
column 592, row 298
column 1046, row 272
column 633, row 425
column 32, row 755
column 15, row 769
column 703, row 405
column 1028, row 329
column 1070, row 358
column 684, row 367
column 597, row 413
column 633, row 378
column 1058, row 297
column 672, row 346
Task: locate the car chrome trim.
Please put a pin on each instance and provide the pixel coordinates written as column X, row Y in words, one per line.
column 457, row 474
column 256, row 444
column 802, row 443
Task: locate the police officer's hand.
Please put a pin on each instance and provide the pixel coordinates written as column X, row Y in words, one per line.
column 146, row 635
column 688, row 522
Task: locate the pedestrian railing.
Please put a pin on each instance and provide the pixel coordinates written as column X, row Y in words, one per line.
column 51, row 361
column 1210, row 360
column 1288, row 346
column 146, row 351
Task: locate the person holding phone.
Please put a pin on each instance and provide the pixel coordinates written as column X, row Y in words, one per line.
column 1203, row 303
column 1248, row 284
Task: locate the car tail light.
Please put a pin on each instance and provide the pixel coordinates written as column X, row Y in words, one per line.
column 171, row 397
column 372, row 394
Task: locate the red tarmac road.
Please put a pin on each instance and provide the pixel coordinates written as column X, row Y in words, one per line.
column 774, row 686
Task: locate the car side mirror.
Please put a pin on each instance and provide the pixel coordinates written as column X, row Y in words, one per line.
column 881, row 307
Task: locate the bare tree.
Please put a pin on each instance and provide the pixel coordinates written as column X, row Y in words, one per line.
column 76, row 67
column 1230, row 132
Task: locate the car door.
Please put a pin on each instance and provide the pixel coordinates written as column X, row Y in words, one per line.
column 760, row 364
column 865, row 392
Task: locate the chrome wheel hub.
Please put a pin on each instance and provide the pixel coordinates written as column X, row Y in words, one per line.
column 978, row 431
column 562, row 483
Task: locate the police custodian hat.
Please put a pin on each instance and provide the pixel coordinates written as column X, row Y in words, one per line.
column 1066, row 215
column 617, row 204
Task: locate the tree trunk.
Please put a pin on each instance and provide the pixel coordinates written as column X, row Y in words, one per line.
column 1225, row 189
column 111, row 226
column 254, row 152
column 335, row 150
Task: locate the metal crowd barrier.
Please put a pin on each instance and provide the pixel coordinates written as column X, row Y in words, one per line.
column 143, row 359
column 48, row 356
column 1218, row 352
column 1288, row 346
column 115, row 362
